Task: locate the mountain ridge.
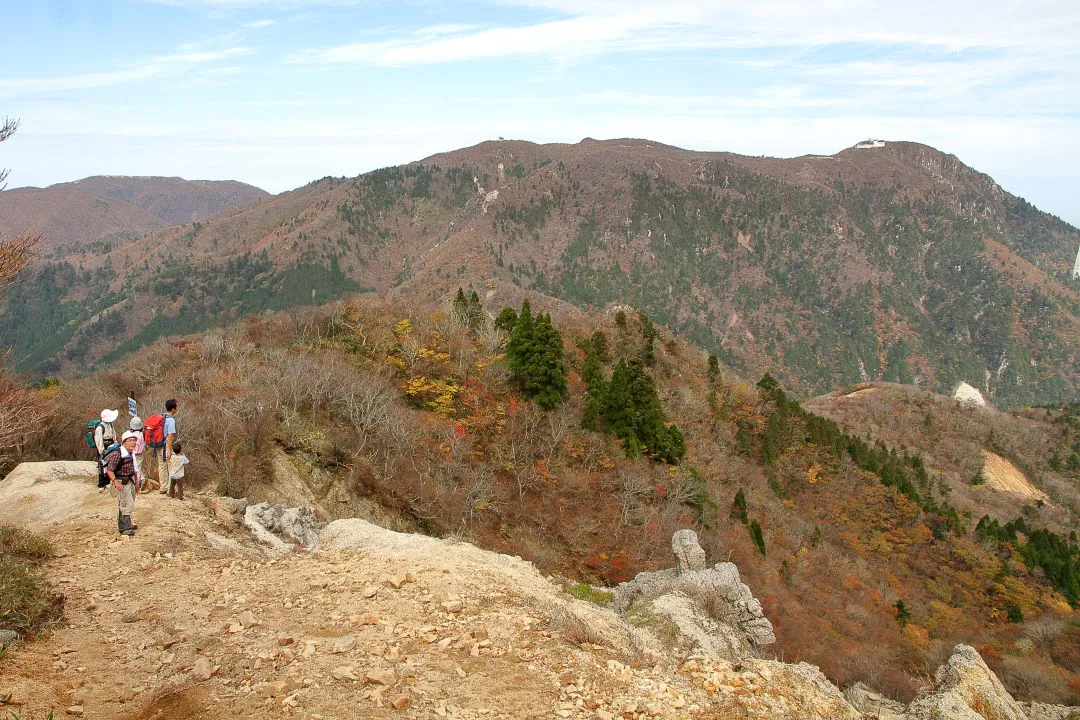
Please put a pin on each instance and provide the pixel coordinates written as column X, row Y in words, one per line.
column 894, row 263
column 114, row 208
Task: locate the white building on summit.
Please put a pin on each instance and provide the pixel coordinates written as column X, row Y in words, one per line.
column 869, row 144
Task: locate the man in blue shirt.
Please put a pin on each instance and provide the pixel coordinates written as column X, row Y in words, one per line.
column 166, row 452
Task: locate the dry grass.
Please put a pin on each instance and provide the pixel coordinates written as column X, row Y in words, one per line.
column 576, row 631
column 27, row 601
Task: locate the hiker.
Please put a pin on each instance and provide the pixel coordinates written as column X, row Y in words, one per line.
column 120, row 467
column 176, row 471
column 169, row 437
column 145, row 481
column 104, row 436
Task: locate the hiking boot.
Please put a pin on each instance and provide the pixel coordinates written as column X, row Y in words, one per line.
column 129, row 533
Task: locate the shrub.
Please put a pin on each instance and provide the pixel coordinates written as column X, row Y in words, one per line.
column 585, row 591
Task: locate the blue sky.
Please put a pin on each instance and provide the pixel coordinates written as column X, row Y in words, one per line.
column 280, row 92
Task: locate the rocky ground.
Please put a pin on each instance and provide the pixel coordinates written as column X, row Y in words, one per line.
column 192, row 618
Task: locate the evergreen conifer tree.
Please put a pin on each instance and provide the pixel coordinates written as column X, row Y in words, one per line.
column 520, row 339
column 475, row 312
column 593, row 375
column 507, row 319
column 632, row 411
column 544, row 369
column 535, row 355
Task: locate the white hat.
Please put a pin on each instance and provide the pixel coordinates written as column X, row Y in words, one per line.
column 136, row 423
column 109, row 415
column 129, row 436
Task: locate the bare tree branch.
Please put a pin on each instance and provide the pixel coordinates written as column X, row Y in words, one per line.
column 7, row 128
column 15, row 254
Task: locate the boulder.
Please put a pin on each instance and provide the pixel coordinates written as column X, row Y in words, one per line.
column 688, row 552
column 868, row 702
column 7, row 638
column 283, row 528
column 1042, row 711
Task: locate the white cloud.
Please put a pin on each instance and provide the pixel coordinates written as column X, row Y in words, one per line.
column 1044, row 27
column 266, row 22
column 160, row 65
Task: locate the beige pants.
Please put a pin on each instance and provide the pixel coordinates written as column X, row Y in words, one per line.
column 163, row 472
column 125, row 499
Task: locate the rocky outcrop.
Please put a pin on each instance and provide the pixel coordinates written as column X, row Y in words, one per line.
column 969, row 395
column 868, row 702
column 714, row 612
column 1042, row 711
column 966, row 689
column 283, row 528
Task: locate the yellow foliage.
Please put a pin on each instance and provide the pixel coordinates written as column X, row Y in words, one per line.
column 917, row 635
column 438, row 395
column 813, row 473
column 943, row 619
column 403, row 328
column 878, row 542
column 430, row 354
column 50, row 391
column 1019, row 594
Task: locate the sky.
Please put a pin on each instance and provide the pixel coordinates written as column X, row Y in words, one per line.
column 278, row 93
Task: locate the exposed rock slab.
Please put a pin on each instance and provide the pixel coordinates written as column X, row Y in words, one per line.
column 966, row 690
column 712, row 607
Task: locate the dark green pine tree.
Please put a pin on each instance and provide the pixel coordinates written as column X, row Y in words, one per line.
column 738, row 507
column 592, row 372
column 507, row 319
column 599, row 343
column 475, row 312
column 619, row 410
column 521, row 339
column 461, row 305
column 544, row 370
column 632, row 411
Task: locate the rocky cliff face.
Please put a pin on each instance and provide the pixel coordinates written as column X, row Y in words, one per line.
column 203, row 621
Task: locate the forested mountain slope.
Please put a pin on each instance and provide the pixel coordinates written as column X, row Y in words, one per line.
column 896, row 263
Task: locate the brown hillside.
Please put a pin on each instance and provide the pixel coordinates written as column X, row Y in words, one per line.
column 70, row 217
column 173, row 200
column 116, row 209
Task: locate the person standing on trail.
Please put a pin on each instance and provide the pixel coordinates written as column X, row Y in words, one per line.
column 136, row 426
column 176, row 471
column 104, row 436
column 120, row 467
column 166, row 451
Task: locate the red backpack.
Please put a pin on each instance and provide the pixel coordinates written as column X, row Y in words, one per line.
column 154, row 431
